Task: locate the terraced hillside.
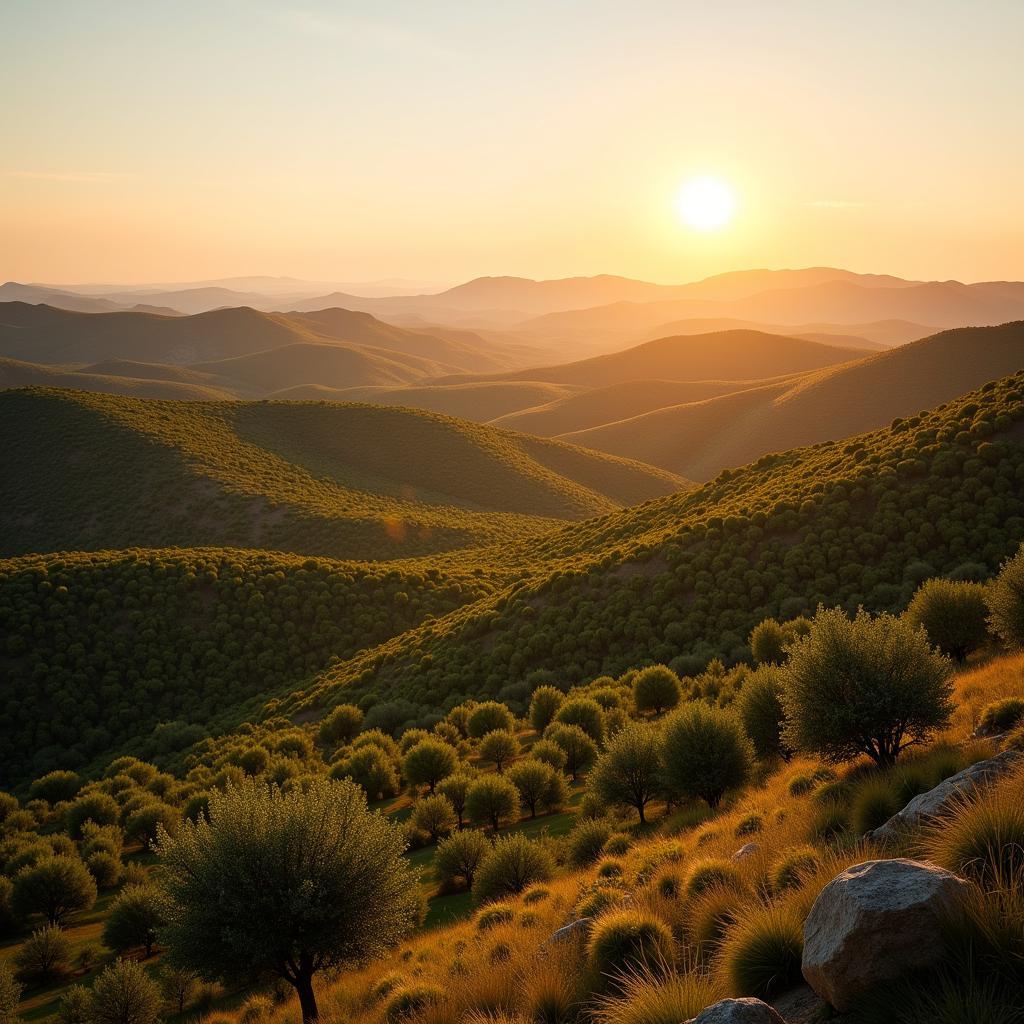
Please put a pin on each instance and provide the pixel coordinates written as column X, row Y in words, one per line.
column 89, row 472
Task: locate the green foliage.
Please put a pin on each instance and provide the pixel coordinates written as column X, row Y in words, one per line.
column 513, row 864
column 550, row 753
column 769, row 639
column 499, row 747
column 544, row 704
column 540, row 786
column 492, row 799
column 624, row 942
column 875, row 801
column 96, row 807
column 10, row 994
column 760, row 711
column 124, row 994
column 579, row 749
column 340, row 725
column 952, row 613
column 371, row 768
column 1005, row 599
column 456, row 789
column 629, row 770
column 428, row 762
column 45, row 953
column 1001, row 715
column 586, row 841
column 55, row 887
column 459, row 856
column 56, row 786
column 435, row 816
column 75, row 1006
column 864, row 686
column 705, row 752
column 134, row 919
column 585, row 713
column 322, row 876
column 656, row 689
column 488, row 717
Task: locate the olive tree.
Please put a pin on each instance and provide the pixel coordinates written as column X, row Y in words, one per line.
column 134, row 919
column 44, row 953
column 341, row 725
column 580, row 750
column 294, row 883
column 490, row 799
column 656, row 689
column 434, row 815
column 953, row 613
column 1005, row 598
column 546, row 700
column 124, row 994
column 510, row 866
column 487, row 717
column 760, row 709
column 459, row 856
column 865, row 685
column 54, row 887
column 705, row 752
column 628, row 772
column 456, row 789
column 539, row 785
column 428, row 762
column 499, row 747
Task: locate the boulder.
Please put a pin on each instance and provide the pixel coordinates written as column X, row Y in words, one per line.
column 875, row 922
column 738, row 1011
column 745, row 851
column 579, row 928
column 940, row 800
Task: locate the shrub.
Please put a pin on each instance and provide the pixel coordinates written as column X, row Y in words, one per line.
column 8, row 919
column 875, row 801
column 487, row 717
column 1005, row 599
column 760, row 954
column 539, row 785
column 585, row 842
column 580, row 750
column 10, row 995
column 256, row 1008
column 953, row 614
column 492, row 799
column 510, row 866
column 628, row 771
column 410, row 1001
column 584, row 713
column 704, row 752
column 609, row 868
column 459, row 856
column 435, row 816
column 133, row 920
column 760, row 710
column 619, row 844
column 97, row 807
column 707, row 916
column 793, row 866
column 656, row 689
column 627, row 941
column 705, row 874
column 56, row 787
column 371, row 768
column 767, row 642
column 149, row 819
column 651, row 997
column 322, row 875
column 46, row 952
column 75, row 1006
column 749, row 825
column 55, row 887
column 499, row 747
column 596, row 901
column 105, row 868
column 340, row 725
column 983, row 838
column 124, row 994
column 1001, row 715
column 545, row 702
column 864, row 686
column 429, row 762
column 494, row 914
column 800, row 785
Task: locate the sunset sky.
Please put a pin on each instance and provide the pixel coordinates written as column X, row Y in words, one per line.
column 441, row 141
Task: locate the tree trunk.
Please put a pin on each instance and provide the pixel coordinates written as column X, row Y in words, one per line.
column 307, row 1001
column 643, row 820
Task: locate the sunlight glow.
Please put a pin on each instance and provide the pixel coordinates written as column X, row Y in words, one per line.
column 705, row 204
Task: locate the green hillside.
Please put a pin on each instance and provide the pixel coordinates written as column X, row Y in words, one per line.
column 94, row 472
column 684, row 578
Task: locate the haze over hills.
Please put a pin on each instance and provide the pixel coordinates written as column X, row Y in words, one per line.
column 90, row 471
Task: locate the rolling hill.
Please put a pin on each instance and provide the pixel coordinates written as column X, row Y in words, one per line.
column 700, row 438
column 91, row 471
column 735, row 355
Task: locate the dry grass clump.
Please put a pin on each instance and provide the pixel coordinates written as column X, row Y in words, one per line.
column 647, row 998
column 760, row 953
column 628, row 940
column 707, row 917
column 708, row 873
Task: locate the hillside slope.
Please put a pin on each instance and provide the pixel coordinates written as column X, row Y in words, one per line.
column 700, row 438
column 684, row 578
column 90, row 471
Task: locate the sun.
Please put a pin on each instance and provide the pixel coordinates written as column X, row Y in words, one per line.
column 706, row 204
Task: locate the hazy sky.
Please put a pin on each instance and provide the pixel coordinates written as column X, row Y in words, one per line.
column 350, row 141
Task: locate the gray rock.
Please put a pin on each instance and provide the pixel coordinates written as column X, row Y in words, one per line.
column 875, row 922
column 940, row 800
column 579, row 928
column 745, row 851
column 738, row 1011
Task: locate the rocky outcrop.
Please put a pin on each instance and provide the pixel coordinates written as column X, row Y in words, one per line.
column 941, row 800
column 875, row 922
column 574, row 929
column 745, row 851
column 738, row 1011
